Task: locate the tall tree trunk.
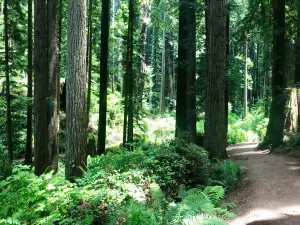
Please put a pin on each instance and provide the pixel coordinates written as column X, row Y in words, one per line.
column 163, row 66
column 246, row 78
column 103, row 76
column 129, row 71
column 90, row 60
column 128, row 81
column 8, row 109
column 297, row 47
column 258, row 83
column 53, row 73
column 41, row 158
column 170, row 72
column 146, row 8
column 59, row 58
column 274, row 135
column 113, row 47
column 227, row 75
column 28, row 153
column 186, row 93
column 214, row 136
column 76, row 139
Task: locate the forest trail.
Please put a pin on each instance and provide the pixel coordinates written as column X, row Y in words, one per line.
column 270, row 194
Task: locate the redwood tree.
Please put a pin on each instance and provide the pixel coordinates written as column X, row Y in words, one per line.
column 7, row 78
column 275, row 128
column 28, row 153
column 186, row 79
column 128, row 81
column 103, row 76
column 215, row 125
column 40, row 87
column 76, row 135
column 53, row 77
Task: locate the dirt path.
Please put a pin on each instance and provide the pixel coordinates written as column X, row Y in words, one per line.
column 270, row 195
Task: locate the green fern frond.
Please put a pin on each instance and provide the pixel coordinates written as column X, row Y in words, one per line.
column 215, row 193
column 203, row 219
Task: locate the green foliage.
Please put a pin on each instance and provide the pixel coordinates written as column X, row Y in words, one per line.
column 227, row 173
column 170, row 164
column 123, row 187
column 257, row 123
column 5, row 165
column 236, row 134
column 205, row 201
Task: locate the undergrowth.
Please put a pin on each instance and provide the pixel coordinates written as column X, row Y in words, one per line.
column 167, row 184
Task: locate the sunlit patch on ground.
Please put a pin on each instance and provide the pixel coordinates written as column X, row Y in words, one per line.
column 262, row 215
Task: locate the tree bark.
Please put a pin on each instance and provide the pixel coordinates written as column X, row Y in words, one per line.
column 40, row 87
column 103, row 76
column 128, row 81
column 53, row 74
column 129, row 72
column 274, row 135
column 90, row 60
column 163, row 66
column 227, row 76
column 214, row 137
column 7, row 78
column 76, row 135
column 28, row 153
column 246, row 79
column 186, row 93
column 297, row 47
column 146, row 8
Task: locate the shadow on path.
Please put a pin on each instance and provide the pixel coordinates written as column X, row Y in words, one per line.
column 289, row 220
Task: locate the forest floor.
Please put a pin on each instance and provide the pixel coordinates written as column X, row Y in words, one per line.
column 270, row 193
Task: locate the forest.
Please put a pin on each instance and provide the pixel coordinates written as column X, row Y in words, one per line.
column 149, row 112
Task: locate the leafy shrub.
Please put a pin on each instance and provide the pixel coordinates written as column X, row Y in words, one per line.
column 122, row 188
column 236, row 134
column 170, row 165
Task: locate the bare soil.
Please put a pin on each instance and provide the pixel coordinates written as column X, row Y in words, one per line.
column 270, row 193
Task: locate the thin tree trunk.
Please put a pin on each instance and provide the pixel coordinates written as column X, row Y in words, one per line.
column 128, row 80
column 257, row 72
column 76, row 140
column 90, row 60
column 143, row 42
column 227, row 76
column 246, row 79
column 170, row 72
column 59, row 58
column 103, row 76
column 163, row 66
column 41, row 156
column 129, row 71
column 186, row 93
column 113, row 47
column 8, row 109
column 53, row 73
column 28, row 153
column 297, row 47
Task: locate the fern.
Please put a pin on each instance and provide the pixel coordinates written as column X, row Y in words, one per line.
column 203, row 219
column 140, row 215
column 214, row 193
